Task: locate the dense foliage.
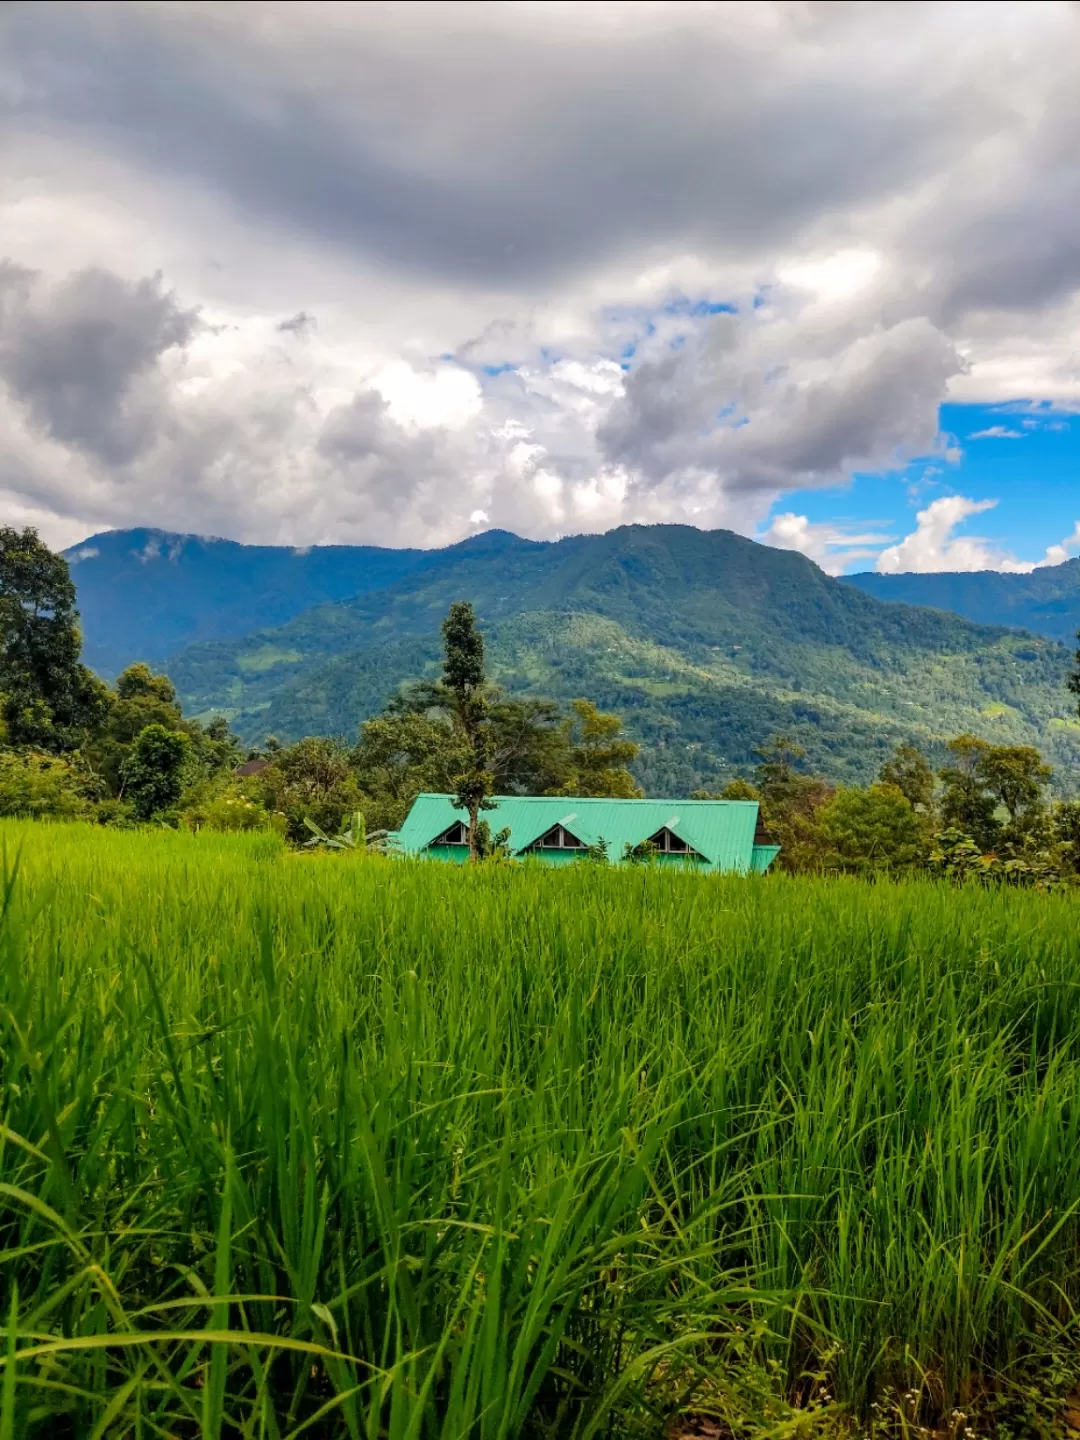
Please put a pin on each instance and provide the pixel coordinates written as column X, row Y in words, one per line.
column 393, row 1149
column 47, row 697
column 989, row 816
column 133, row 757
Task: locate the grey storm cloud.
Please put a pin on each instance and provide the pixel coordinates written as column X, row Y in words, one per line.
column 483, row 144
column 301, row 324
column 765, row 417
column 83, row 355
column 392, row 469
column 496, row 211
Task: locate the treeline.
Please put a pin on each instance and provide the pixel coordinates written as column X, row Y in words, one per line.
column 986, row 815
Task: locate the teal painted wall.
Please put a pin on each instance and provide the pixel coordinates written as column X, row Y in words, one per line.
column 458, row 854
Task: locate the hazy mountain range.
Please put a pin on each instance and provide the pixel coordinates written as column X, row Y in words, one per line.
column 1046, row 602
column 705, row 642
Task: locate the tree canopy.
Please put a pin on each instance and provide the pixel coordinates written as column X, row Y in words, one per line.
column 48, row 697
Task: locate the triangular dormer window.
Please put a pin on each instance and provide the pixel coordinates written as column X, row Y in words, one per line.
column 668, row 843
column 558, row 838
column 458, row 834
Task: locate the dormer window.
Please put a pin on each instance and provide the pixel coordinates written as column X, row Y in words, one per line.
column 458, row 834
column 668, row 843
column 558, row 838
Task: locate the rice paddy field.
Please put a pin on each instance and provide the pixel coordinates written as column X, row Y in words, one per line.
column 357, row 1147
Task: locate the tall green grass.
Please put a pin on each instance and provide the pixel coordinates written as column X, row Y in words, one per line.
column 385, row 1149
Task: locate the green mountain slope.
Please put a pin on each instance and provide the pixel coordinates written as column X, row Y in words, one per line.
column 1046, row 602
column 146, row 593
column 705, row 642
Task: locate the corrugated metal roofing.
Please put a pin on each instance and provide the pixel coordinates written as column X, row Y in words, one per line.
column 720, row 830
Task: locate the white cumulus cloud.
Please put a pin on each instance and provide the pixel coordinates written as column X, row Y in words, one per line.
column 1058, row 554
column 833, row 547
column 933, row 545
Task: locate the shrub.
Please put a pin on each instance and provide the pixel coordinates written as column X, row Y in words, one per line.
column 42, row 786
column 228, row 810
column 311, row 780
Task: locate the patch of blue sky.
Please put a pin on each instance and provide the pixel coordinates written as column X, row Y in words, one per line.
column 1024, row 456
column 683, row 305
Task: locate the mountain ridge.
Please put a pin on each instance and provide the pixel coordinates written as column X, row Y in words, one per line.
column 145, row 593
column 1045, row 600
column 704, row 642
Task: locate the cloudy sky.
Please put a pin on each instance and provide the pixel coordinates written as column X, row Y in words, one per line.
column 396, row 273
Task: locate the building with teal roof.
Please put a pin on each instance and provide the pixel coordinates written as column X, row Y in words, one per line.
column 705, row 835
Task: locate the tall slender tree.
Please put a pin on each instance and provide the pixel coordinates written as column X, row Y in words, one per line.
column 465, row 683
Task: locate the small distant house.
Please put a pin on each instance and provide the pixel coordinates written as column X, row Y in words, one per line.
column 251, row 767
column 707, row 835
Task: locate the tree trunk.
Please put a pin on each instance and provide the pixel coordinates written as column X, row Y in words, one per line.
column 474, row 820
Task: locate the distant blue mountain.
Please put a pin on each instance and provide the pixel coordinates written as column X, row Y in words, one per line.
column 144, row 594
column 1046, row 602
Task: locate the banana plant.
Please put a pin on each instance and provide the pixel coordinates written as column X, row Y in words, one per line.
column 351, row 836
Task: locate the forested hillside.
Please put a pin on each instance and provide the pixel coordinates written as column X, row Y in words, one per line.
column 145, row 593
column 705, row 642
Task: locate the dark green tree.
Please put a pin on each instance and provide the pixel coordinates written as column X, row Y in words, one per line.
column 535, row 749
column 779, row 774
column 910, row 772
column 530, row 745
column 465, row 683
column 47, row 698
column 153, row 770
column 1017, row 776
column 872, row 830
column 985, row 779
column 311, row 780
column 737, row 789
column 1066, row 823
column 140, row 698
column 219, row 749
column 967, row 806
column 401, row 754
column 790, row 804
column 1072, row 682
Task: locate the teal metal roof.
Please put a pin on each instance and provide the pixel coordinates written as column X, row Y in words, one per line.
column 762, row 856
column 720, row 830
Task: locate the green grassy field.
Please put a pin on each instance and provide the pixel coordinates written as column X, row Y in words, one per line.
column 355, row 1147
